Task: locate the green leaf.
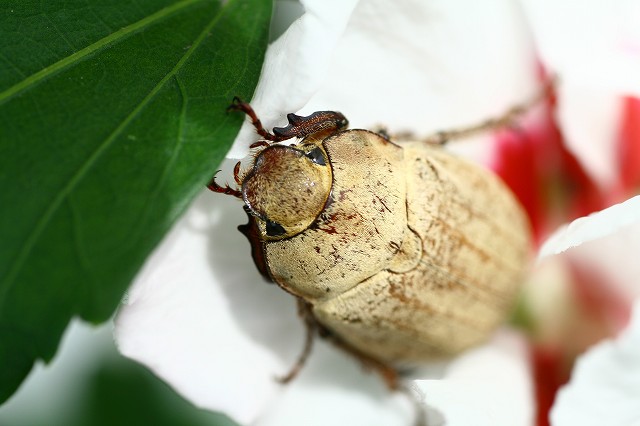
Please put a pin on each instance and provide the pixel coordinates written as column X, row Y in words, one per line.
column 112, row 118
column 124, row 393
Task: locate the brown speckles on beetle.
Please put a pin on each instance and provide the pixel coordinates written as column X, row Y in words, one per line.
column 402, row 251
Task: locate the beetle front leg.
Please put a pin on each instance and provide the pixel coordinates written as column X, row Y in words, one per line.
column 227, row 190
column 239, row 105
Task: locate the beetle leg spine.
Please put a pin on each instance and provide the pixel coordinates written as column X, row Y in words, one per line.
column 236, row 173
column 259, row 144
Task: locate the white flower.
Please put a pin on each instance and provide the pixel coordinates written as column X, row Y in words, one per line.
column 605, row 386
column 199, row 314
column 605, row 383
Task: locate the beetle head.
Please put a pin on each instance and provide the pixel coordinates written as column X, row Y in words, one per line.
column 287, row 188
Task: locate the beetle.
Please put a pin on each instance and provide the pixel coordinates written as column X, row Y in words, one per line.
column 399, row 252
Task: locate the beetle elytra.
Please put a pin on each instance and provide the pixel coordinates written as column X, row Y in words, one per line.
column 398, row 252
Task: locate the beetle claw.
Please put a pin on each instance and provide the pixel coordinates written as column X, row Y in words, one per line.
column 234, row 104
column 227, row 190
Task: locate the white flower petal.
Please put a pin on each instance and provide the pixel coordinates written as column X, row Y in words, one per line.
column 490, row 385
column 295, row 66
column 623, row 217
column 334, row 389
column 612, row 257
column 201, row 317
column 416, row 66
column 426, row 66
column 590, row 118
column 591, row 42
column 605, row 383
column 594, row 47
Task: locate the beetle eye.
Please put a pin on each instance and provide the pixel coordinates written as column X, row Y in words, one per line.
column 274, row 229
column 316, row 156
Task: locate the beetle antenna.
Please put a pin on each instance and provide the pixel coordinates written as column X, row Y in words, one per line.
column 227, row 190
column 507, row 119
column 299, row 127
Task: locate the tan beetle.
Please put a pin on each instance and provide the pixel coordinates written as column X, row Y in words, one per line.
column 398, row 252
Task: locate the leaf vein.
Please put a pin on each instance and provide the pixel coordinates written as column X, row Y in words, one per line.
column 60, row 33
column 12, row 64
column 77, row 177
column 100, row 44
column 99, row 18
column 172, row 160
column 78, row 238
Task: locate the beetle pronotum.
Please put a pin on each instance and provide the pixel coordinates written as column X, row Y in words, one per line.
column 397, row 252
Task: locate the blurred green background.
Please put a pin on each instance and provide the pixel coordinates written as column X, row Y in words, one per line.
column 89, row 383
